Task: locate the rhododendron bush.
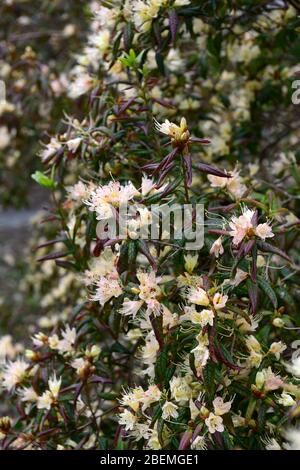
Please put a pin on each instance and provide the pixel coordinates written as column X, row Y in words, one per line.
column 153, row 342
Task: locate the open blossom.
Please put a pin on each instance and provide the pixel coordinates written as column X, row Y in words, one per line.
column 54, row 385
column 176, row 133
column 217, row 248
column 81, row 365
column 201, row 356
column 239, row 277
column 180, row 389
column 264, row 231
column 49, row 397
column 255, row 359
column 286, row 400
column 104, row 265
column 133, row 398
column 149, row 352
column 267, row 380
column 80, row 191
column 141, row 431
column 14, row 374
column 219, row 300
column 131, row 307
column 243, row 226
column 203, row 318
column 106, row 288
column 104, row 199
column 190, row 262
column 198, row 296
column 277, row 348
column 28, row 395
column 148, row 288
column 149, row 186
column 220, row 406
column 234, row 184
column 151, row 395
column 206, row 317
column 252, row 344
column 214, row 423
column 50, row 149
column 199, row 443
column 128, row 420
column 169, row 410
column 73, row 144
column 144, row 12
column 66, row 344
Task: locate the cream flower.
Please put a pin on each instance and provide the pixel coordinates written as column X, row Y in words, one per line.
column 239, row 277
column 50, row 149
column 198, row 296
column 54, row 385
column 66, row 344
column 217, row 248
column 199, row 443
column 49, row 397
column 104, row 199
column 267, row 380
column 180, row 389
column 14, row 373
column 176, row 133
column 133, row 398
column 73, row 144
column 128, row 420
column 144, row 12
column 149, row 186
column 106, row 289
column 203, row 318
column 80, row 191
column 243, row 226
column 286, row 400
column 131, row 307
column 7, row 348
column 148, row 288
column 277, row 348
column 201, row 355
column 151, row 395
column 214, row 423
column 28, row 395
column 233, row 185
column 264, row 231
column 219, row 300
column 252, row 344
column 169, row 410
column 220, row 406
column 190, row 262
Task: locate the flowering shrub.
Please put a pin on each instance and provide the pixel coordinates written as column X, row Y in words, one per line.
column 165, row 346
